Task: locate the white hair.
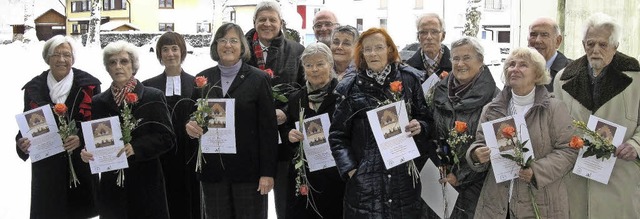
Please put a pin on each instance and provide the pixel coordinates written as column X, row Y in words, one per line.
column 601, row 20
column 121, row 46
column 430, row 15
column 56, row 41
column 267, row 5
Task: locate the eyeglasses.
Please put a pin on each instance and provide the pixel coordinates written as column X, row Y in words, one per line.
column 318, row 65
column 345, row 43
column 464, row 59
column 424, row 33
column 224, row 41
column 324, row 24
column 65, row 55
column 376, row 49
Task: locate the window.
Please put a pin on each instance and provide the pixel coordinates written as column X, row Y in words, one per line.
column 383, row 4
column 204, row 27
column 165, row 4
column 419, row 4
column 114, row 5
column 383, row 23
column 493, row 4
column 359, row 24
column 504, row 36
column 80, row 28
column 80, row 6
column 74, row 29
column 165, row 27
column 232, row 16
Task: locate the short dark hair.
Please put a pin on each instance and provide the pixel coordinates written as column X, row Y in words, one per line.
column 171, row 38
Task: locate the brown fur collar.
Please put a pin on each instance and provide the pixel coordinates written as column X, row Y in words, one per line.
column 579, row 86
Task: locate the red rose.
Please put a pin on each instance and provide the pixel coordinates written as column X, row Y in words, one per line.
column 396, row 86
column 304, row 190
column 201, row 81
column 576, row 142
column 461, row 126
column 508, row 132
column 60, row 109
column 269, row 72
column 131, row 98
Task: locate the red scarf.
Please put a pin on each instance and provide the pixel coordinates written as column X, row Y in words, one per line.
column 257, row 49
column 119, row 93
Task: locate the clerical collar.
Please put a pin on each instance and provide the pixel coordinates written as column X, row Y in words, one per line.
column 173, row 86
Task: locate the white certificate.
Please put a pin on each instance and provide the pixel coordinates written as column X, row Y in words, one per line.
column 387, row 123
column 591, row 167
column 221, row 135
column 440, row 197
column 316, row 144
column 103, row 139
column 429, row 83
column 39, row 126
column 503, row 168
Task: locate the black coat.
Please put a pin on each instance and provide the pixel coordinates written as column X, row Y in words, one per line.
column 51, row 196
column 445, row 62
column 255, row 120
column 178, row 165
column 374, row 191
column 558, row 64
column 468, row 109
column 328, row 187
column 143, row 195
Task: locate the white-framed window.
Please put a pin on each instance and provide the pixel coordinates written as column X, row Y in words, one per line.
column 359, row 24
column 165, row 3
column 383, row 23
column 165, row 27
column 114, row 5
column 504, row 36
column 493, row 4
column 204, row 27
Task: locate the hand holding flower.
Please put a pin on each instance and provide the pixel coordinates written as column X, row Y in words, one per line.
column 482, row 154
column 127, row 149
column 71, row 143
column 193, row 129
column 23, row 144
column 413, row 127
column 295, row 136
column 451, row 179
column 526, row 174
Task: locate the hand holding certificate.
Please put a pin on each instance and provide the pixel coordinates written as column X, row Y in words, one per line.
column 103, row 142
column 39, row 127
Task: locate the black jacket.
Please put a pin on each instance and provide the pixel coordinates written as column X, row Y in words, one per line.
column 445, row 62
column 468, row 109
column 143, row 195
column 374, row 191
column 558, row 64
column 255, row 120
column 51, row 196
column 328, row 187
column 178, row 165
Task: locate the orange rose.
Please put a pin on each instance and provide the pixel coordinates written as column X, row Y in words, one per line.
column 269, row 72
column 444, row 74
column 576, row 142
column 131, row 98
column 201, row 81
column 304, row 190
column 461, row 126
column 396, row 86
column 60, row 109
column 508, row 132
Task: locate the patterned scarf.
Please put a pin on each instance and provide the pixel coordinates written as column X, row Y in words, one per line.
column 316, row 95
column 429, row 68
column 379, row 76
column 457, row 90
column 119, row 93
column 257, row 49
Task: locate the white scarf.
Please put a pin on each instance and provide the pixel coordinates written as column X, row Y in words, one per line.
column 59, row 90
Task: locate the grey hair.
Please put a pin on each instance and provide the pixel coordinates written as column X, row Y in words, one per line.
column 322, row 49
column 120, row 46
column 601, row 20
column 536, row 60
column 245, row 54
column 548, row 20
column 56, row 41
column 467, row 40
column 267, row 5
column 347, row 29
column 429, row 15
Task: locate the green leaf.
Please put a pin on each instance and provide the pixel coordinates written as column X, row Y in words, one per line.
column 508, row 156
column 298, row 165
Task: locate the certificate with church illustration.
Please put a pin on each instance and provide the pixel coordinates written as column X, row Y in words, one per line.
column 316, row 142
column 599, row 169
column 39, row 126
column 220, row 137
column 504, row 136
column 387, row 123
column 103, row 139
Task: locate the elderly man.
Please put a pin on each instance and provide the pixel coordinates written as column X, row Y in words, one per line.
column 545, row 36
column 432, row 57
column 605, row 83
column 323, row 24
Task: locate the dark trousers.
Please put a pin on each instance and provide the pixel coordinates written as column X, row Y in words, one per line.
column 233, row 200
column 280, row 187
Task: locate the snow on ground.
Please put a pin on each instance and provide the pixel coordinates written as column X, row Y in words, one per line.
column 23, row 62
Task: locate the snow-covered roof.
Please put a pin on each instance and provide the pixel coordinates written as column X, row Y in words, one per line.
column 112, row 25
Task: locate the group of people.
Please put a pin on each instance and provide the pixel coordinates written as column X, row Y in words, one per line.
column 344, row 75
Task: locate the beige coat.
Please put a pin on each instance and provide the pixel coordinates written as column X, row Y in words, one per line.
column 550, row 131
column 619, row 103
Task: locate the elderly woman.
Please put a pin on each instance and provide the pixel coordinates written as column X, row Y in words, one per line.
column 143, row 193
column 236, row 185
column 460, row 97
column 343, row 39
column 316, row 98
column 550, row 131
column 278, row 57
column 51, row 195
column 373, row 191
column 183, row 189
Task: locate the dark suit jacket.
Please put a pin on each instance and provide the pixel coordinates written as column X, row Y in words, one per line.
column 255, row 121
column 143, row 195
column 558, row 64
column 445, row 62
